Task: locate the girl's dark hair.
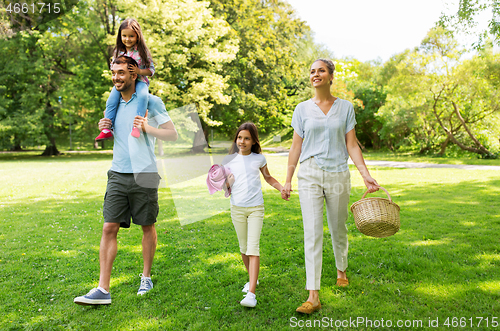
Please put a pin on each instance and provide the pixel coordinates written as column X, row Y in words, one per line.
column 329, row 65
column 144, row 52
column 250, row 127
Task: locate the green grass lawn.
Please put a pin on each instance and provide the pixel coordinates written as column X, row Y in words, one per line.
column 415, row 157
column 443, row 263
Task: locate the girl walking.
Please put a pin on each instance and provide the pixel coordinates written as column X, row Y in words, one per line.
column 247, row 203
column 324, row 138
column 130, row 42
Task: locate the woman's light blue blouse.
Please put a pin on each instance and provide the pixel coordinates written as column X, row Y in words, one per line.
column 324, row 135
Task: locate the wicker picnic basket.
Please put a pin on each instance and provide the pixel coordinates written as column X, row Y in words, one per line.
column 376, row 217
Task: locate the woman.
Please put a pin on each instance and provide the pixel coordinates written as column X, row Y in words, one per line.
column 324, row 138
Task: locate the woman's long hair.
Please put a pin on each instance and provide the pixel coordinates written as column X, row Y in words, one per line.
column 250, row 127
column 144, row 52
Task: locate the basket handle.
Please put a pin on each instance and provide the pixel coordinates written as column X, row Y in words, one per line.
column 390, row 200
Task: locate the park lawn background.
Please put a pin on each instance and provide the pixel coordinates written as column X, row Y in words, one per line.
column 453, row 155
column 444, row 262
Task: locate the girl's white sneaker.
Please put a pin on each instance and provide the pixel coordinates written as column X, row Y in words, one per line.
column 246, row 288
column 249, row 300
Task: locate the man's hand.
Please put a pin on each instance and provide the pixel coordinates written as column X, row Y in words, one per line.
column 105, row 123
column 141, row 122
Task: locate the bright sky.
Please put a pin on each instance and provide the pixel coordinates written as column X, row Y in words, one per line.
column 371, row 29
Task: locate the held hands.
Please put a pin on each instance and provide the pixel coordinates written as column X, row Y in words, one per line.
column 371, row 184
column 141, row 122
column 285, row 193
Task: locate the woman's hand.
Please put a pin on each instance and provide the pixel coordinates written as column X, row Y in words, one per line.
column 133, row 69
column 285, row 193
column 371, row 184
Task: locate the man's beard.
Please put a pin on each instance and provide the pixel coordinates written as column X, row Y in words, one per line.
column 124, row 86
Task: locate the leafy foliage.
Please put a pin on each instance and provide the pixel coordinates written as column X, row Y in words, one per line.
column 267, row 75
column 72, row 57
column 245, row 60
column 189, row 46
column 435, row 97
column 466, row 18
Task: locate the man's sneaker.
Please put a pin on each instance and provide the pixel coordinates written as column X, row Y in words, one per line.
column 246, row 288
column 104, row 135
column 249, row 300
column 146, row 285
column 94, row 297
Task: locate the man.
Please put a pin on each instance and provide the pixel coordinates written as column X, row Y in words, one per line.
column 132, row 189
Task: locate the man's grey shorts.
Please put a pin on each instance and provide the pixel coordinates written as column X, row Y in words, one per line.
column 125, row 199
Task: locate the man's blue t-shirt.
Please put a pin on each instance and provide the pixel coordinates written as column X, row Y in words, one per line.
column 135, row 155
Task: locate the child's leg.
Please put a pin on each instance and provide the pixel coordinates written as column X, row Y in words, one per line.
column 112, row 105
column 255, row 222
column 110, row 113
column 253, row 272
column 142, row 91
column 246, row 261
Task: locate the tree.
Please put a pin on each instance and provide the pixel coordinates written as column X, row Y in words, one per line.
column 43, row 66
column 267, row 75
column 31, row 15
column 189, row 46
column 368, row 96
column 465, row 19
column 436, row 97
column 72, row 56
column 23, row 77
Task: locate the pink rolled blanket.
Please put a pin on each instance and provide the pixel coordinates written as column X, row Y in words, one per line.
column 216, row 179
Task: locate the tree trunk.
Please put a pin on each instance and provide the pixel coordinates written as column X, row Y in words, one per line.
column 450, row 134
column 424, row 149
column 96, row 144
column 471, row 135
column 443, row 146
column 51, row 149
column 375, row 140
column 206, row 132
column 360, row 145
column 199, row 141
column 48, row 117
column 16, row 148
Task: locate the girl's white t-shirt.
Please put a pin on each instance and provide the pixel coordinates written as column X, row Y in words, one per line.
column 247, row 189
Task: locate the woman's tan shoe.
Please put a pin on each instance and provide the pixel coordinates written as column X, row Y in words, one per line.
column 342, row 282
column 308, row 308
